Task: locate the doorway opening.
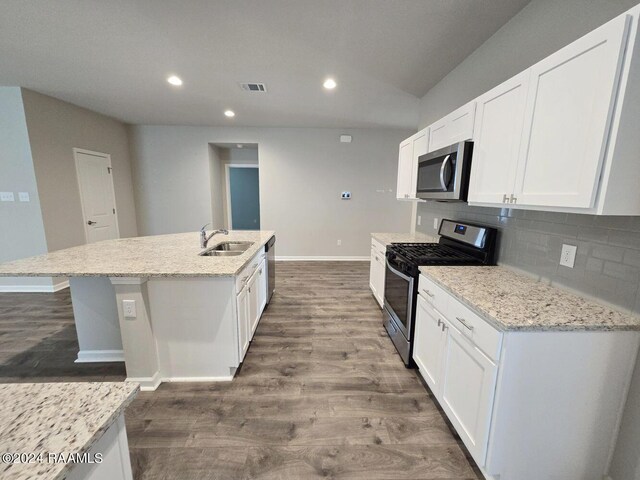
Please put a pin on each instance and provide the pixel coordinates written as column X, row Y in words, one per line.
column 235, row 186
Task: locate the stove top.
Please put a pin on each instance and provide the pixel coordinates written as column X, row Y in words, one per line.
column 433, row 254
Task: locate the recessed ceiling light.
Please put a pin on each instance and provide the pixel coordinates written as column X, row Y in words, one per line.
column 175, row 81
column 230, row 113
column 329, row 84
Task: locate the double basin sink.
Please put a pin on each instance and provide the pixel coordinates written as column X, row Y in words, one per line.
column 226, row 249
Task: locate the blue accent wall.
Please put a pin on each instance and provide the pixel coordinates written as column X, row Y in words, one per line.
column 244, row 190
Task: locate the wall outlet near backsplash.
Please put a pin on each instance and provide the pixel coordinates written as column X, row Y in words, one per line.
column 568, row 255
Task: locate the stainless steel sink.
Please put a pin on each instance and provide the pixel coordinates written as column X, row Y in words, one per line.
column 226, row 249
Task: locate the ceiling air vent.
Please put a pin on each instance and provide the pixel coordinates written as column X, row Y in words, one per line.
column 254, row 87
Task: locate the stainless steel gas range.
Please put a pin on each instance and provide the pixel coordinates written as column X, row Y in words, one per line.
column 460, row 244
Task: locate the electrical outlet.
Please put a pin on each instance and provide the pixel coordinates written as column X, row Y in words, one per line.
column 23, row 196
column 435, row 224
column 346, row 196
column 129, row 308
column 419, row 220
column 7, row 197
column 568, row 256
column 339, row 242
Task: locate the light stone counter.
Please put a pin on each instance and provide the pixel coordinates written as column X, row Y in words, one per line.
column 174, row 255
column 56, row 418
column 417, row 237
column 511, row 301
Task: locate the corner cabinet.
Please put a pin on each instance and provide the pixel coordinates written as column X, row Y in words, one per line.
column 410, row 150
column 377, row 271
column 560, row 136
column 523, row 402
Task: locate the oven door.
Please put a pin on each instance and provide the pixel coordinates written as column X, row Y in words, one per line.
column 398, row 297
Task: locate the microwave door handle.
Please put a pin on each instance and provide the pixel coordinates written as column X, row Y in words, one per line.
column 442, row 168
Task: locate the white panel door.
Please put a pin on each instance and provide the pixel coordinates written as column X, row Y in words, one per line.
column 261, row 286
column 455, row 127
column 253, row 294
column 380, row 274
column 569, row 107
column 468, row 388
column 497, row 135
column 405, row 169
column 97, row 195
column 242, row 304
column 427, row 345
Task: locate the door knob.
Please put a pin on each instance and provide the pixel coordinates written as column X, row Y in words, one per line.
column 91, row 222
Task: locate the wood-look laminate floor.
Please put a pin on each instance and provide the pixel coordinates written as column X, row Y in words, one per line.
column 321, row 394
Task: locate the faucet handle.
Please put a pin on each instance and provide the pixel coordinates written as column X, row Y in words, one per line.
column 204, row 227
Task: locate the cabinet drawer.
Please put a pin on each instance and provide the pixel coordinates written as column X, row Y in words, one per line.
column 474, row 327
column 378, row 247
column 433, row 294
column 247, row 271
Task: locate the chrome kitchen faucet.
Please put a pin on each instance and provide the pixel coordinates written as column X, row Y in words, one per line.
column 204, row 238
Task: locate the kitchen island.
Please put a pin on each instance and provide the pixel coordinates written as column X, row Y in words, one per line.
column 74, row 431
column 170, row 313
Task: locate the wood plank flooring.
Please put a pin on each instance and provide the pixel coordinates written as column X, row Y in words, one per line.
column 322, row 392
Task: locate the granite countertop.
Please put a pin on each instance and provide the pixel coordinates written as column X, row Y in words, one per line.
column 511, row 301
column 417, row 237
column 56, row 418
column 174, row 255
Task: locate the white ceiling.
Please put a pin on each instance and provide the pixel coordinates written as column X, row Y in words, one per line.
column 114, row 56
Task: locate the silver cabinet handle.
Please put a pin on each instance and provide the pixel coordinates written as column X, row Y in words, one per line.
column 439, row 322
column 428, row 293
column 91, row 222
column 464, row 322
column 260, row 271
column 442, row 167
column 505, row 199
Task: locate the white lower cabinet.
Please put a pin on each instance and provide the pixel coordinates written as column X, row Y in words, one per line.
column 377, row 271
column 468, row 385
column 251, row 300
column 527, row 404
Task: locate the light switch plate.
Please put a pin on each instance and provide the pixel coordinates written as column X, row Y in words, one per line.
column 435, row 224
column 129, row 308
column 419, row 220
column 568, row 255
column 7, row 197
column 23, row 196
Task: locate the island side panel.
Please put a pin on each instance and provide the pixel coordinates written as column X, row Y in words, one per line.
column 138, row 336
column 558, row 404
column 96, row 318
column 195, row 325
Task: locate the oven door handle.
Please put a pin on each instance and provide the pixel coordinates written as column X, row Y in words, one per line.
column 397, row 272
column 442, row 168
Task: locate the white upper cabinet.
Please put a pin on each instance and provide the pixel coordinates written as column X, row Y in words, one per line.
column 410, row 150
column 497, row 136
column 568, row 115
column 455, row 127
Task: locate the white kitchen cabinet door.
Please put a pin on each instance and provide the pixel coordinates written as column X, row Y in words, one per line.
column 497, row 136
column 405, row 169
column 372, row 272
column 253, row 294
column 455, row 127
column 380, row 274
column 428, row 344
column 261, row 286
column 468, row 388
column 242, row 305
column 569, row 109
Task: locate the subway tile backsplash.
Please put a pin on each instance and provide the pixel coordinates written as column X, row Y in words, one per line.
column 607, row 263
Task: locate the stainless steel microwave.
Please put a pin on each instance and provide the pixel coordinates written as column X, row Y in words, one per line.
column 444, row 174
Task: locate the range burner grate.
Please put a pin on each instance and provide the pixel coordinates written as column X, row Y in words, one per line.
column 433, row 254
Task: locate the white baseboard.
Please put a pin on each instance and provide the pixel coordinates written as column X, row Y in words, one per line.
column 197, row 379
column 147, row 384
column 323, row 259
column 34, row 288
column 97, row 356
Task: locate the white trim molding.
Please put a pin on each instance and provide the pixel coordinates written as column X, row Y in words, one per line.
column 197, row 379
column 322, row 259
column 98, row 356
column 147, row 384
column 56, row 287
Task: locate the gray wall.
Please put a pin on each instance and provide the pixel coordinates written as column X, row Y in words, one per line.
column 539, row 29
column 21, row 227
column 55, row 128
column 302, row 172
column 608, row 261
